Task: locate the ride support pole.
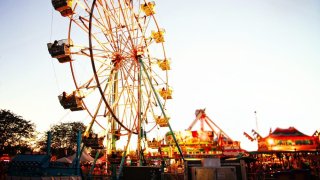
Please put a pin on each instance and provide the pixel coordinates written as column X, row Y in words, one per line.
column 93, row 164
column 164, row 114
column 78, row 156
column 49, row 143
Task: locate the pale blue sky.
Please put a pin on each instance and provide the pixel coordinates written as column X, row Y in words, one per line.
column 232, row 57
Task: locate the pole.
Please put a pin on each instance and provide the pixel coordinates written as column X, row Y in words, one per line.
column 113, row 121
column 123, row 157
column 139, row 114
column 256, row 118
column 78, row 156
column 164, row 114
column 49, row 143
column 93, row 164
column 114, row 131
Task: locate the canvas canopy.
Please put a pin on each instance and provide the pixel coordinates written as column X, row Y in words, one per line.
column 64, row 160
column 85, row 157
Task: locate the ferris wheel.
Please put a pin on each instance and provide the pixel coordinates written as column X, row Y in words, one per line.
column 118, row 62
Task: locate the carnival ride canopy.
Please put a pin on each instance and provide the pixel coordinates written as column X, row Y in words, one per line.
column 291, row 131
column 190, row 137
column 289, row 139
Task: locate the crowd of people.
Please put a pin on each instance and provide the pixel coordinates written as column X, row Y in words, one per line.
column 271, row 166
column 3, row 169
column 262, row 166
column 97, row 170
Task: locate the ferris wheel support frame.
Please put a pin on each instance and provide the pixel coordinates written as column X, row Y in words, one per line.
column 124, row 156
column 162, row 110
column 114, row 117
column 112, row 113
column 113, row 123
column 139, row 115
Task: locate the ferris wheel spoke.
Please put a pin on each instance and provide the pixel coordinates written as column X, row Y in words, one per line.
column 128, row 16
column 102, row 17
column 87, row 84
column 131, row 112
column 126, row 23
column 109, row 12
column 121, row 34
column 112, row 37
column 117, row 103
column 104, row 99
column 143, row 29
column 103, row 69
column 122, row 40
column 84, row 22
column 88, row 129
column 102, row 45
column 83, row 4
column 124, row 45
column 104, row 27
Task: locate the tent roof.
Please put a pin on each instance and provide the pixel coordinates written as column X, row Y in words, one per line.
column 64, row 160
column 85, row 157
column 291, row 131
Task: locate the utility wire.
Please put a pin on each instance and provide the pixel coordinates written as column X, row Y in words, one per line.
column 54, row 70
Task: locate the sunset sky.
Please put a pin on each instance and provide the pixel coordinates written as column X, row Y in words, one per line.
column 230, row 57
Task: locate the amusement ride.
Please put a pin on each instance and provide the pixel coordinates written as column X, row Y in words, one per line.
column 119, row 66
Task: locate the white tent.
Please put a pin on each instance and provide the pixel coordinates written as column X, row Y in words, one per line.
column 85, row 157
column 64, row 160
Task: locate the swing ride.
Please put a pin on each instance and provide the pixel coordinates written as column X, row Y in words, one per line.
column 209, row 140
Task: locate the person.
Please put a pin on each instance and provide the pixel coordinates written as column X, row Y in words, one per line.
column 113, row 154
column 64, row 96
column 55, row 44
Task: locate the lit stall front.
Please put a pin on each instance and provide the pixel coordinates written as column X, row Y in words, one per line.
column 191, row 142
column 289, row 139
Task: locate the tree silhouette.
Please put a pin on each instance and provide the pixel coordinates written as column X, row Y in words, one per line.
column 16, row 133
column 64, row 137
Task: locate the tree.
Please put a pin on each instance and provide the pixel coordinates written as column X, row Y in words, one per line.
column 64, row 137
column 15, row 132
